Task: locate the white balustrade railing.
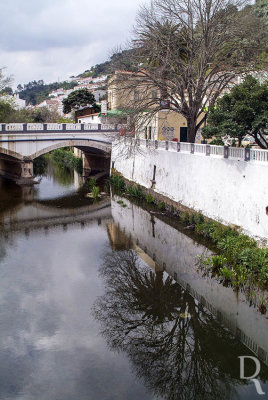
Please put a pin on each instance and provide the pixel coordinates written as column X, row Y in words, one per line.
column 172, row 146
column 121, row 126
column 236, row 152
column 90, row 127
column 73, row 127
column 35, row 127
column 185, row 147
column 54, row 127
column 161, row 144
column 107, row 127
column 14, row 127
column 217, row 151
column 142, row 142
column 200, row 148
column 259, row 155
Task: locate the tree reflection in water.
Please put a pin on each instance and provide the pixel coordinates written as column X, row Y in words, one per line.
column 175, row 345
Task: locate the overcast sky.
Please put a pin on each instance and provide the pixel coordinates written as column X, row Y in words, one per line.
column 54, row 39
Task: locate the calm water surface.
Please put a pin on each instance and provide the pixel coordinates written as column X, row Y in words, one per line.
column 90, row 306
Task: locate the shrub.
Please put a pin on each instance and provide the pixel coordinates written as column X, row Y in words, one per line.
column 161, row 206
column 149, row 199
column 217, row 262
column 90, row 184
column 95, row 192
column 184, row 216
column 117, row 183
column 135, row 191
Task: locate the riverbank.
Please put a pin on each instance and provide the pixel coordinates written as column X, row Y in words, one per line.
column 228, row 190
column 237, row 262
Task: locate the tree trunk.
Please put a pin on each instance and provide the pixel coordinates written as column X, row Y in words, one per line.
column 191, row 129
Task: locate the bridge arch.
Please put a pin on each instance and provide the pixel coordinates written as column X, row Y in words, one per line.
column 85, row 144
column 11, row 154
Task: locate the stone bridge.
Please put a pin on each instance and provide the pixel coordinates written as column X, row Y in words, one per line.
column 20, row 144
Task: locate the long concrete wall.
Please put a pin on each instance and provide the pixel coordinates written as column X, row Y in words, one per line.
column 229, row 191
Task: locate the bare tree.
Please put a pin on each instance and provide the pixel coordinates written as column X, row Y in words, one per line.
column 186, row 53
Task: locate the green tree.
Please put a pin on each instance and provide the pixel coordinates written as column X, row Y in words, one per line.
column 79, row 98
column 244, row 111
column 7, row 91
column 5, row 111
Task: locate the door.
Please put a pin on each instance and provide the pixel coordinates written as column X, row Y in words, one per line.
column 183, row 134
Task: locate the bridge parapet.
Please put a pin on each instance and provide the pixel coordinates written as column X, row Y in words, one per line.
column 49, row 127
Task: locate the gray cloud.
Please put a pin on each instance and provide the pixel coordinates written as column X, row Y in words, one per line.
column 51, row 39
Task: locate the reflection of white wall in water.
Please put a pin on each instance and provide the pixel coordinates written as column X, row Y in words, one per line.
column 231, row 191
column 178, row 252
column 78, row 180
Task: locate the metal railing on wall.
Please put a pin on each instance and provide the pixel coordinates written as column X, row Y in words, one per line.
column 234, row 153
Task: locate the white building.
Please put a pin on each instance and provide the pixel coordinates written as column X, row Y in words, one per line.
column 89, row 119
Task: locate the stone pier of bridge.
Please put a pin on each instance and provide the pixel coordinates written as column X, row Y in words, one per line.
column 20, row 171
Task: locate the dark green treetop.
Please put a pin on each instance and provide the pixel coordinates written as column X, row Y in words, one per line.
column 79, row 98
column 242, row 112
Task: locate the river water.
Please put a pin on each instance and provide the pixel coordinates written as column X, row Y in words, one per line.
column 103, row 301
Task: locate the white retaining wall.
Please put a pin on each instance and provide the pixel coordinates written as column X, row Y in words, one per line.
column 227, row 190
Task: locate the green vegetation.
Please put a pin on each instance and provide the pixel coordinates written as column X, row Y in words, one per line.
column 40, row 165
column 122, row 204
column 135, row 191
column 242, row 112
column 117, row 183
column 95, row 192
column 161, row 206
column 9, row 114
column 90, row 184
column 37, row 91
column 65, row 158
column 108, row 67
column 149, row 199
column 240, row 261
column 79, row 98
column 65, row 120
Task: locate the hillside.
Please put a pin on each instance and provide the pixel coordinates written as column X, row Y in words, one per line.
column 122, row 60
column 36, row 91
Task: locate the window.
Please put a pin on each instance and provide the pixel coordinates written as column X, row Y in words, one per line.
column 136, row 95
column 154, row 94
